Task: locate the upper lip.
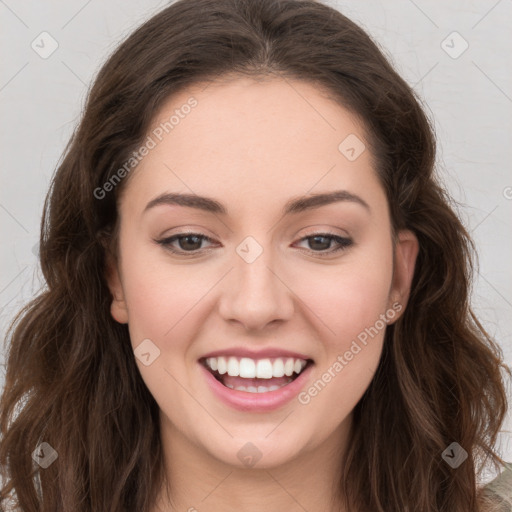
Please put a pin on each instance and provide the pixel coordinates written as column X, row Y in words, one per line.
column 256, row 354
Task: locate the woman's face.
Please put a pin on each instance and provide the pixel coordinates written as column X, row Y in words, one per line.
column 290, row 268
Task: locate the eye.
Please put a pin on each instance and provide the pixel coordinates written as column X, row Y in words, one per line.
column 320, row 243
column 189, row 243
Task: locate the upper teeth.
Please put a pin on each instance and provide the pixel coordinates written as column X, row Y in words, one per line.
column 251, row 368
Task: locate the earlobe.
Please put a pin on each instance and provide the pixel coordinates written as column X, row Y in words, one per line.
column 118, row 308
column 406, row 252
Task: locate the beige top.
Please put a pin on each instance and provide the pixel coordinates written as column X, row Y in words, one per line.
column 500, row 490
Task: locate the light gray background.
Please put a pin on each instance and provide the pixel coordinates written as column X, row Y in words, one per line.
column 468, row 97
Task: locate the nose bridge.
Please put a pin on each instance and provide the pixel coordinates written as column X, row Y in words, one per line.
column 255, row 293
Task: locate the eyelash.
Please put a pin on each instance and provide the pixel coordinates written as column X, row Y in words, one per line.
column 344, row 243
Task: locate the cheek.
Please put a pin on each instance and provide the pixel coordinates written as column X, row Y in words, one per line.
column 353, row 303
column 162, row 308
column 353, row 307
column 158, row 294
column 161, row 301
column 349, row 298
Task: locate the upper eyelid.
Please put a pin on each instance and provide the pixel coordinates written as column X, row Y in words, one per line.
column 209, row 238
column 177, row 236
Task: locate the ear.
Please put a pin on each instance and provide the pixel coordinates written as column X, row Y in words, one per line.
column 118, row 308
column 406, row 251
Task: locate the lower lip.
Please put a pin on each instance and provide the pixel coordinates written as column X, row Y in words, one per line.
column 256, row 402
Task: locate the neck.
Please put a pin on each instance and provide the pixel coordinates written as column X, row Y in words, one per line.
column 199, row 482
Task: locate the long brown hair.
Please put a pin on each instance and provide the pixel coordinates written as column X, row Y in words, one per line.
column 71, row 378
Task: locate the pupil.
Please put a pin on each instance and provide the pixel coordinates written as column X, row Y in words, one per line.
column 325, row 244
column 188, row 237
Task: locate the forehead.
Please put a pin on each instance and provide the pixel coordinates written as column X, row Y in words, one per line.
column 262, row 139
column 248, row 114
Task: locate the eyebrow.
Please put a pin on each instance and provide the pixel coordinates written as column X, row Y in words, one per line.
column 293, row 206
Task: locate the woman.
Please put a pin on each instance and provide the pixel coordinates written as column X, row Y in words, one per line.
column 258, row 292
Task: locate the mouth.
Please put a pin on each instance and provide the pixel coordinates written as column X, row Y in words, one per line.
column 255, row 375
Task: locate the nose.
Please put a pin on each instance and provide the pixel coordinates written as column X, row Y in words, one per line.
column 256, row 294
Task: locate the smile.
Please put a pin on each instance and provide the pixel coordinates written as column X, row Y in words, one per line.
column 255, row 384
column 255, row 375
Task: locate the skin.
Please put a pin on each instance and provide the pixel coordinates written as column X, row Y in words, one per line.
column 254, row 145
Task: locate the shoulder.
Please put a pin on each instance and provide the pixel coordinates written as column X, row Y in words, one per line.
column 500, row 490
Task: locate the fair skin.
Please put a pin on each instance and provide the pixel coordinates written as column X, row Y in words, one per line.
column 253, row 146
